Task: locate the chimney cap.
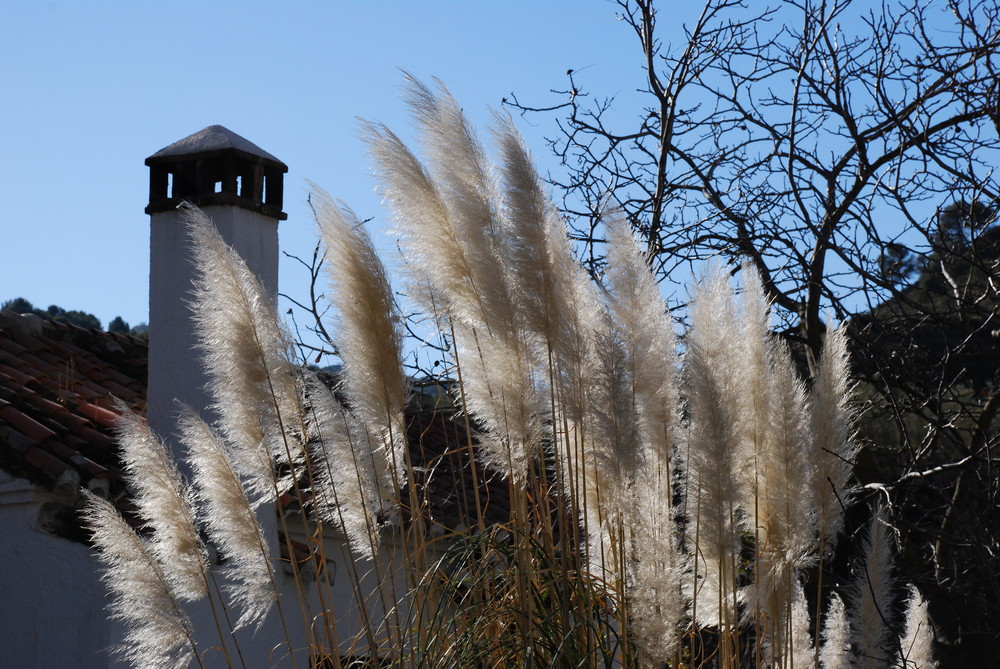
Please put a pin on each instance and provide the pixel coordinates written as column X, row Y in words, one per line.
column 210, row 139
column 215, row 166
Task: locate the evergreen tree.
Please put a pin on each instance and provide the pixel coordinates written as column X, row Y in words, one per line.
column 119, row 325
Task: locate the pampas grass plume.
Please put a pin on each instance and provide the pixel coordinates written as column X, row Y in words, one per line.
column 871, row 598
column 833, row 424
column 165, row 504
column 230, row 520
column 713, row 445
column 350, row 493
column 647, row 336
column 917, row 641
column 755, row 376
column 835, row 652
column 158, row 632
column 452, row 232
column 252, row 380
column 801, row 651
column 368, row 335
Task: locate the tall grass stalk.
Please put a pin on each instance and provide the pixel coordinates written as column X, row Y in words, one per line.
column 630, row 497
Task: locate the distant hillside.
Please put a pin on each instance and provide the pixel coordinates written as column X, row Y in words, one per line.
column 19, row 305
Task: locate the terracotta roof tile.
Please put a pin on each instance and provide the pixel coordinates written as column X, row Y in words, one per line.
column 73, row 457
column 92, row 436
column 45, row 406
column 12, row 347
column 15, row 375
column 55, row 415
column 99, row 415
column 53, row 467
column 26, row 425
column 70, row 421
column 14, row 440
column 117, row 389
column 33, row 362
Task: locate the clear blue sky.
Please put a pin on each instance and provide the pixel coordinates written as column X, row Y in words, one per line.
column 93, row 88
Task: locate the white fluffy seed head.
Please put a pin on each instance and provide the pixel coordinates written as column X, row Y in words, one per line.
column 165, row 503
column 247, row 356
column 713, row 446
column 835, row 653
column 230, row 520
column 501, row 390
column 755, row 378
column 871, row 597
column 917, row 641
column 833, row 418
column 647, row 337
column 158, row 632
column 368, row 334
column 657, row 569
column 352, row 485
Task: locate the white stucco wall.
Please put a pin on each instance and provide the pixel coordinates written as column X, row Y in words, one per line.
column 52, row 602
column 51, row 605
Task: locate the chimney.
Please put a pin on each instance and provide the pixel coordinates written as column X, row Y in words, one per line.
column 239, row 186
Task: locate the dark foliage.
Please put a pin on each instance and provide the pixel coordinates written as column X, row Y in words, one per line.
column 19, row 305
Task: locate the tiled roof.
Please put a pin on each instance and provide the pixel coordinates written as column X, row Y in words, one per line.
column 57, row 384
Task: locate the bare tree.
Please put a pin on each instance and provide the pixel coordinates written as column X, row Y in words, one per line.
column 846, row 149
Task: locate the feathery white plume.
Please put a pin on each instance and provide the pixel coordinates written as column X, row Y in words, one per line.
column 164, row 503
column 789, row 465
column 754, row 377
column 802, row 652
column 452, row 236
column 650, row 363
column 833, row 420
column 525, row 217
column 835, row 653
column 252, row 380
column 500, row 390
column 554, row 294
column 656, row 572
column 713, row 453
column 158, row 631
column 469, row 193
column 647, row 336
column 556, row 302
column 439, row 261
column 783, row 501
column 346, row 468
column 917, row 641
column 613, row 454
column 368, row 335
column 230, row 520
column 871, row 598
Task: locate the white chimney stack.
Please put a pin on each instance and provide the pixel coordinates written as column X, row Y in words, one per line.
column 239, row 186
